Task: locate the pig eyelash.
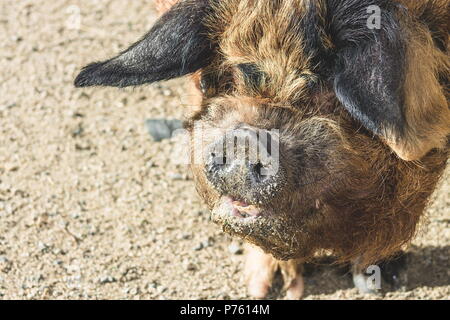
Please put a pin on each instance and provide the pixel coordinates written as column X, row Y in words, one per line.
column 253, row 76
column 215, row 82
column 208, row 84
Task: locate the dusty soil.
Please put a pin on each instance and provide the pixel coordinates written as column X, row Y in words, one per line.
column 90, row 207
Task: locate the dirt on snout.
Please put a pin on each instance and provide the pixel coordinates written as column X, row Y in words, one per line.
column 92, row 208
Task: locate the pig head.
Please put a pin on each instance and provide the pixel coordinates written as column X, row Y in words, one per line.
column 314, row 131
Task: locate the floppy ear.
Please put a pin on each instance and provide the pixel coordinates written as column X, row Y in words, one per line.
column 388, row 78
column 176, row 45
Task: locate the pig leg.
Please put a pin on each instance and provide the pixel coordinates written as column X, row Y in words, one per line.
column 293, row 279
column 390, row 270
column 360, row 281
column 393, row 270
column 260, row 269
column 365, row 283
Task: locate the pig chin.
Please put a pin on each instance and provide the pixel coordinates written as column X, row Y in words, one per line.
column 273, row 232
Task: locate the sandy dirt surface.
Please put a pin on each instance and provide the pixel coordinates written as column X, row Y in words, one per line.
column 91, row 207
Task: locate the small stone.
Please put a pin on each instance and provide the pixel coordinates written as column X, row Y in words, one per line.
column 199, row 247
column 107, row 279
column 235, row 248
column 152, row 286
column 133, row 291
column 161, row 289
column 8, row 208
column 37, row 278
column 208, row 242
column 130, row 274
column 201, row 213
column 176, row 176
column 57, row 262
column 149, row 164
column 57, row 251
column 162, row 129
column 191, row 267
column 185, row 236
column 3, row 259
column 161, row 230
column 78, row 131
column 16, row 38
column 42, row 247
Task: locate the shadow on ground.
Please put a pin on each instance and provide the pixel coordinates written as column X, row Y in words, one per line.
column 419, row 267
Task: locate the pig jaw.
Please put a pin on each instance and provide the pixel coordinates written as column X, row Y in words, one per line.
column 273, row 232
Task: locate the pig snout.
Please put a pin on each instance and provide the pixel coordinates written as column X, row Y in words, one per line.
column 245, row 165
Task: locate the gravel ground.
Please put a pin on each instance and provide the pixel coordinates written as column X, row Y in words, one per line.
column 91, row 208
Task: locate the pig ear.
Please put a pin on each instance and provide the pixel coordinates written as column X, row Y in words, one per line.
column 176, row 45
column 377, row 77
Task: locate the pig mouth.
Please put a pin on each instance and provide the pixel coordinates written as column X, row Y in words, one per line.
column 257, row 225
column 237, row 210
column 243, row 210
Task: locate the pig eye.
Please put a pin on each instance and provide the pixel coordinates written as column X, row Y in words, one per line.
column 208, row 84
column 253, row 76
column 212, row 83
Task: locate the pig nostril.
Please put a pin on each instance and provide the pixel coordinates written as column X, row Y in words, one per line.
column 258, row 173
column 216, row 162
column 258, row 168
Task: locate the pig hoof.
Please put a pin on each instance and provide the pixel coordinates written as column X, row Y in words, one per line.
column 260, row 269
column 295, row 289
column 257, row 289
column 362, row 283
column 293, row 279
column 392, row 271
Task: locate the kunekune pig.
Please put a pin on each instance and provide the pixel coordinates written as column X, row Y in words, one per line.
column 357, row 112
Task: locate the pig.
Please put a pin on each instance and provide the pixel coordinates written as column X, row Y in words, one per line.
column 349, row 117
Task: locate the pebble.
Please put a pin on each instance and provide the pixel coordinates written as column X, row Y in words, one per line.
column 162, row 129
column 161, row 230
column 133, row 291
column 208, row 242
column 152, row 286
column 107, row 279
column 42, row 247
column 191, row 267
column 8, row 208
column 235, row 248
column 58, row 262
column 37, row 278
column 78, row 131
column 16, row 38
column 176, row 176
column 199, row 247
column 185, row 236
column 161, row 289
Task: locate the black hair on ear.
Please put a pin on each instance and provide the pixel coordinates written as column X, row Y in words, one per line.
column 369, row 67
column 177, row 45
